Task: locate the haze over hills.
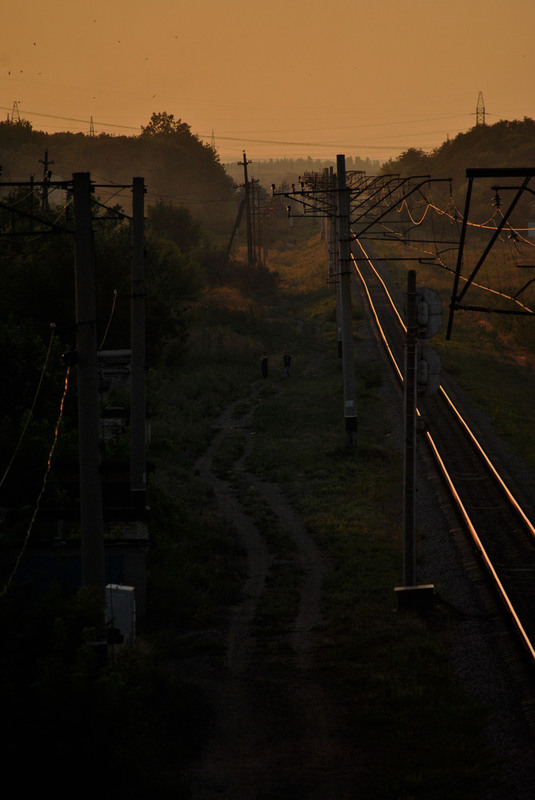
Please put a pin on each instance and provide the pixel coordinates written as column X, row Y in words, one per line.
column 177, row 164
column 179, row 168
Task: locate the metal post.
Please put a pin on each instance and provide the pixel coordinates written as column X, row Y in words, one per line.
column 459, row 258
column 348, row 365
column 138, row 472
column 91, row 506
column 409, row 460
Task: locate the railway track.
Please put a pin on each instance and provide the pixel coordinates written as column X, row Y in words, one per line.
column 499, row 527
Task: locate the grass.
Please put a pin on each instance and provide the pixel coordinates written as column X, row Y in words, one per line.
column 419, row 733
column 423, row 736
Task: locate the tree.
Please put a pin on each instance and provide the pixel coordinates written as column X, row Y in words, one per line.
column 412, row 162
column 162, row 123
column 174, row 223
column 16, row 127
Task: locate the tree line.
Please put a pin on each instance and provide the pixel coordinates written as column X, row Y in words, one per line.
column 503, row 144
column 176, row 165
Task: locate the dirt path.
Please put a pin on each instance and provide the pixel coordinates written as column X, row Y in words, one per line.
column 276, row 735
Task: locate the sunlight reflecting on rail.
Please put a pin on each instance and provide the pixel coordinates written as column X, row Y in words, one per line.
column 523, row 635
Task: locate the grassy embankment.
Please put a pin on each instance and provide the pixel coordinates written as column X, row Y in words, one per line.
column 420, row 734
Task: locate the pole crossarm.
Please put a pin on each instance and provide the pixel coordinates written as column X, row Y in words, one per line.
column 374, row 187
column 51, row 226
column 56, row 184
column 367, row 194
column 407, row 190
column 319, row 201
column 457, row 296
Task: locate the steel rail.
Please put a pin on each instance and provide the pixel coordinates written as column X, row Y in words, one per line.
column 443, row 469
column 479, row 544
column 496, row 475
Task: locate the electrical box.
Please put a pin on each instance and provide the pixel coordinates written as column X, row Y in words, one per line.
column 121, row 611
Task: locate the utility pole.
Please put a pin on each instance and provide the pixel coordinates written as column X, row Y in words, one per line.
column 138, row 469
column 421, row 376
column 91, row 505
column 334, row 260
column 409, row 461
column 344, row 277
column 47, row 174
column 250, row 259
column 254, row 220
column 236, row 226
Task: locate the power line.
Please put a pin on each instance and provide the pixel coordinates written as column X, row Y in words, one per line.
column 247, row 140
column 30, row 413
column 43, row 485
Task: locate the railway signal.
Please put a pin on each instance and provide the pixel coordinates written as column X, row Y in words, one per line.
column 428, row 324
column 427, row 371
column 429, row 313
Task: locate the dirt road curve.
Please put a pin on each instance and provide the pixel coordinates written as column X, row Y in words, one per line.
column 276, row 735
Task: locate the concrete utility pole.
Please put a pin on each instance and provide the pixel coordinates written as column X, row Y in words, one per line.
column 91, row 505
column 334, row 260
column 424, row 318
column 331, row 235
column 138, row 469
column 344, row 277
column 409, row 461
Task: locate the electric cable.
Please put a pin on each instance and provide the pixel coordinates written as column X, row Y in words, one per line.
column 30, row 413
column 112, row 312
column 43, row 487
column 119, row 213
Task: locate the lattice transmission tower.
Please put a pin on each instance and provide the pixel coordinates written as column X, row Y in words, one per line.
column 480, row 110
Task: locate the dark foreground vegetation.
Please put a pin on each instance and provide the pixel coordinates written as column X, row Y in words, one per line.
column 133, row 723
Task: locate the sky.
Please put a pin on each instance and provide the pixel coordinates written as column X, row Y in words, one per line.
column 277, row 79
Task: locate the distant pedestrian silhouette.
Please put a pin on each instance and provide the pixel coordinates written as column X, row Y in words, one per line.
column 287, row 361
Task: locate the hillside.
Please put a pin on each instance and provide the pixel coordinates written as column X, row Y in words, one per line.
column 176, row 165
column 504, row 144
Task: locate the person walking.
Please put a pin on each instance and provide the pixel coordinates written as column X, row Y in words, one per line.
column 287, row 361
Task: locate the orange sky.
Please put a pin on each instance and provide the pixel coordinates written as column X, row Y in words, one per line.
column 277, row 79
